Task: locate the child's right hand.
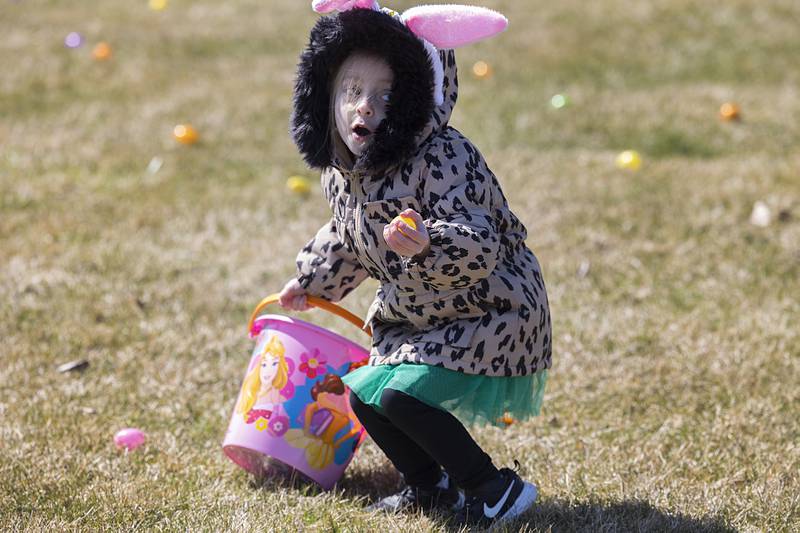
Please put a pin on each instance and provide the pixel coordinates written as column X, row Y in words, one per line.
column 293, row 296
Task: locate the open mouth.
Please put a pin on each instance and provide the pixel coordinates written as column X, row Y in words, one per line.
column 361, row 131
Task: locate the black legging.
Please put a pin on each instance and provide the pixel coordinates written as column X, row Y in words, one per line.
column 419, row 439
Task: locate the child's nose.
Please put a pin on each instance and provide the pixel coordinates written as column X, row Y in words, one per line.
column 364, row 108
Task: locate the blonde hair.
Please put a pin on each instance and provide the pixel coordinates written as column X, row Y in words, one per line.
column 252, row 382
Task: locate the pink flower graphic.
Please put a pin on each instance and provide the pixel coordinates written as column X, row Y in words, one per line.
column 312, row 365
column 278, row 425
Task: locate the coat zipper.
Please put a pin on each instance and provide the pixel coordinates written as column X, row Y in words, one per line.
column 357, row 226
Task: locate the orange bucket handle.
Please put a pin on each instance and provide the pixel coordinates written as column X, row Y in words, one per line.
column 314, row 302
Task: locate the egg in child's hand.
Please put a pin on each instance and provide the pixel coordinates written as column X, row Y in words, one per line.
column 407, row 220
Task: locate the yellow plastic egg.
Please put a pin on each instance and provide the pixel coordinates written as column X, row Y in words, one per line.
column 158, row 5
column 481, row 69
column 409, row 221
column 298, row 185
column 629, row 160
column 185, row 134
column 101, row 51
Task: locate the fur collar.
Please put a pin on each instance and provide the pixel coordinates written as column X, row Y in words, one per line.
column 411, row 102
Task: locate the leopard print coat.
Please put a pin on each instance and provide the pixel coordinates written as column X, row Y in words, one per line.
column 477, row 303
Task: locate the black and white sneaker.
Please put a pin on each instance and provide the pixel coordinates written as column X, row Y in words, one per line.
column 508, row 499
column 443, row 496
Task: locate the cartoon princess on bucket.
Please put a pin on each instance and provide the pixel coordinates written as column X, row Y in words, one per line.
column 266, row 386
column 326, row 416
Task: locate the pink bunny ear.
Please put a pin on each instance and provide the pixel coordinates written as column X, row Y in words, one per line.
column 451, row 26
column 326, row 6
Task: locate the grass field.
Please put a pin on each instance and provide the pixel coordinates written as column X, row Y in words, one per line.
column 673, row 403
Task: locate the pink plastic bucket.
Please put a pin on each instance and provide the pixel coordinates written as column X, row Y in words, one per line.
column 293, row 412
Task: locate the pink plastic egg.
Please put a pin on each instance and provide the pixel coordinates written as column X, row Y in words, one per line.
column 129, row 438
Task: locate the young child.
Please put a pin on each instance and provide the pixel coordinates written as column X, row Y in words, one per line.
column 460, row 322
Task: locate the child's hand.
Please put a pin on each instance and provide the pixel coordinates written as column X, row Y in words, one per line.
column 293, row 296
column 405, row 240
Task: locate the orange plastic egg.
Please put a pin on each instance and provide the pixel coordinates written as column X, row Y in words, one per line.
column 481, row 69
column 185, row 134
column 729, row 111
column 102, row 51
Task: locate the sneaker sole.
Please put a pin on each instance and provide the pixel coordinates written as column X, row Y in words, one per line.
column 457, row 506
column 524, row 501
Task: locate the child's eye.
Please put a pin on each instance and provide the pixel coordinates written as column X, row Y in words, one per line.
column 385, row 97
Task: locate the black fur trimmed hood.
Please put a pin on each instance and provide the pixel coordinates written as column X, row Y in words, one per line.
column 411, row 103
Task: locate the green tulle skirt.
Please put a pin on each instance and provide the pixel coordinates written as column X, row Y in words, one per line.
column 471, row 398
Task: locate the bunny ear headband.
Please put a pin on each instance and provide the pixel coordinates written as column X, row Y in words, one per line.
column 437, row 26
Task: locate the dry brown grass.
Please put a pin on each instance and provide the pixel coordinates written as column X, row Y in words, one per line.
column 673, row 403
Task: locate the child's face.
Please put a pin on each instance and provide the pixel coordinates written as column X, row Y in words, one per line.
column 360, row 96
